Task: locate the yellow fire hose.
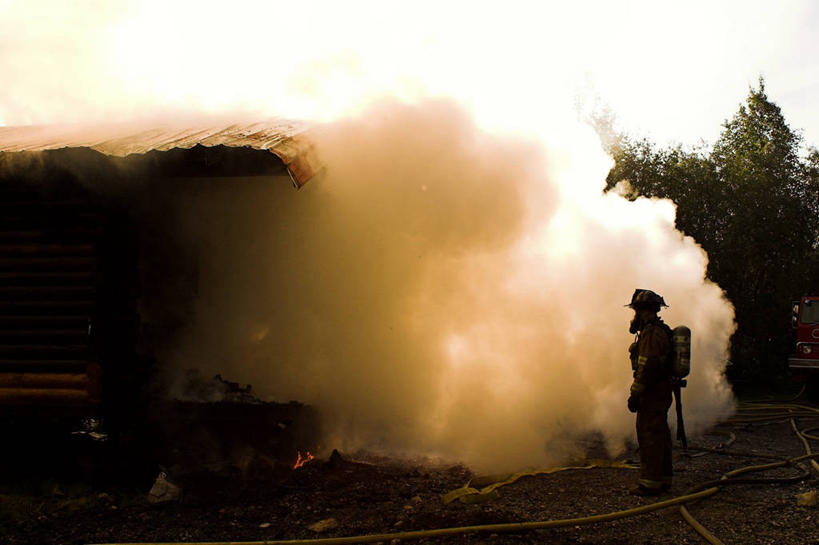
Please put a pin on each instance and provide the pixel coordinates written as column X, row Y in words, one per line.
column 469, row 494
column 727, row 479
column 524, row 526
column 442, row 532
column 701, row 491
column 804, row 436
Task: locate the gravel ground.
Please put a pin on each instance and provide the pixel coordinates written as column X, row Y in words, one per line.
column 356, row 497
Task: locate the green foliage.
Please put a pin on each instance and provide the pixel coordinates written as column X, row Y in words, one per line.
column 752, row 202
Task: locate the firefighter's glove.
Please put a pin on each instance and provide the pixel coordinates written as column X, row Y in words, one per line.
column 632, row 355
column 633, row 403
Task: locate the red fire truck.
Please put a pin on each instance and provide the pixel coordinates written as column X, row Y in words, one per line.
column 804, row 364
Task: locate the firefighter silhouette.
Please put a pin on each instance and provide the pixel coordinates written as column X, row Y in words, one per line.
column 650, row 395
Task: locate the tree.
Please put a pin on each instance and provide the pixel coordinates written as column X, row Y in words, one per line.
column 752, row 202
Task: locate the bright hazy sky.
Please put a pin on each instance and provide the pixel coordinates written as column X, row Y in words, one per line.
column 669, row 70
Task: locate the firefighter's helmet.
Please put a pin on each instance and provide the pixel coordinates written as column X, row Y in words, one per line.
column 646, row 298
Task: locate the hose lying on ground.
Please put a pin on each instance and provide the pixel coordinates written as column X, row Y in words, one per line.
column 727, row 479
column 470, row 494
column 496, row 528
column 790, row 412
column 712, row 488
column 701, row 491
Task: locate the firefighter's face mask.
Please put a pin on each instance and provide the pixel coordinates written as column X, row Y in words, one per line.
column 636, row 323
column 642, row 316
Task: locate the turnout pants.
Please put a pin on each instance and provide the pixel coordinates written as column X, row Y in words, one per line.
column 654, row 436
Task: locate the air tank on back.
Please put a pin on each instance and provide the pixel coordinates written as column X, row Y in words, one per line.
column 681, row 347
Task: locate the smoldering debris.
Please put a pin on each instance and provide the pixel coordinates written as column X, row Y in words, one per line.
column 217, row 433
column 194, row 387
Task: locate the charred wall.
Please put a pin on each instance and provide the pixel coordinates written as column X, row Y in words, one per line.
column 98, row 276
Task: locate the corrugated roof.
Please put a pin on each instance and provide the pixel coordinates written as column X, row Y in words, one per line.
column 286, row 139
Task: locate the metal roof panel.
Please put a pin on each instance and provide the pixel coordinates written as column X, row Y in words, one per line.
column 286, row 139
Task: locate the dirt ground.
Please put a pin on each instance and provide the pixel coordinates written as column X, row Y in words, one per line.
column 366, row 495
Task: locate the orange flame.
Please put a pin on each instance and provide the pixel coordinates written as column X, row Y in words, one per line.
column 303, row 460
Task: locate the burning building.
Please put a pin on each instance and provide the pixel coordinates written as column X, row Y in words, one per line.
column 425, row 294
column 97, row 279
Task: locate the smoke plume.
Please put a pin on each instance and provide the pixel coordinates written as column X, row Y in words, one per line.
column 444, row 292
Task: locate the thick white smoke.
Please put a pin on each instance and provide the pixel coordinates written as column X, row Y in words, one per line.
column 444, row 292
column 441, row 290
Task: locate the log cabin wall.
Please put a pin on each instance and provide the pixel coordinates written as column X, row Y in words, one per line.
column 50, row 237
column 96, row 281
